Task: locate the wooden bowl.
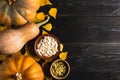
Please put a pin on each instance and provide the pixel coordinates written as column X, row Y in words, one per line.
column 60, row 69
column 41, row 37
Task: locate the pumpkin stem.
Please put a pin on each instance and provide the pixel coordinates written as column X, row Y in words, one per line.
column 44, row 22
column 18, row 76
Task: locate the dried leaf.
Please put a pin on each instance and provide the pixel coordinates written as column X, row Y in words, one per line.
column 53, row 12
column 2, row 28
column 44, row 32
column 45, row 67
column 18, row 53
column 39, row 17
column 30, row 54
column 63, row 55
column 48, row 78
column 45, row 2
column 2, row 57
column 61, row 47
column 48, row 27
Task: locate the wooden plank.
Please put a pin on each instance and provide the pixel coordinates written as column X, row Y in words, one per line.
column 78, row 21
column 95, row 76
column 89, row 8
column 89, row 36
column 88, row 29
column 94, row 61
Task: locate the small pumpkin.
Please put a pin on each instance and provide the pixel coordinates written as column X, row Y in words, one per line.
column 18, row 12
column 20, row 67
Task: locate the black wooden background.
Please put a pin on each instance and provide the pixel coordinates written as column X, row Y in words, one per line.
column 90, row 32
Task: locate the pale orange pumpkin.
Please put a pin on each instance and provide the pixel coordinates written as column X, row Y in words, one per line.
column 20, row 67
column 18, row 12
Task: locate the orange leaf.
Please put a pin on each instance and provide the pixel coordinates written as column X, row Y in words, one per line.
column 63, row 55
column 48, row 27
column 27, row 52
column 44, row 32
column 45, row 2
column 53, row 12
column 2, row 28
column 2, row 57
column 39, row 17
column 61, row 47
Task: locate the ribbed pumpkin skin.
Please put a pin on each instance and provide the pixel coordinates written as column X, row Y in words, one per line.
column 25, row 65
column 18, row 12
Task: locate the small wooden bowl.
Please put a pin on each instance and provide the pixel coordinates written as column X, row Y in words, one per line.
column 40, row 38
column 53, row 68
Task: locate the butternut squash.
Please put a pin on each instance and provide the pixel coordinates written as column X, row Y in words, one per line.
column 12, row 40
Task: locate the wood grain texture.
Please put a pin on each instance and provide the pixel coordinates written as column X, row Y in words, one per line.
column 90, row 32
column 89, row 8
column 89, row 29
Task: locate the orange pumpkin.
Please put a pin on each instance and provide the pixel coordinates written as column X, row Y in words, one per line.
column 18, row 12
column 20, row 67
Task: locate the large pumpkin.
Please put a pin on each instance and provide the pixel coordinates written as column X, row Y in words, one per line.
column 20, row 68
column 18, row 12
